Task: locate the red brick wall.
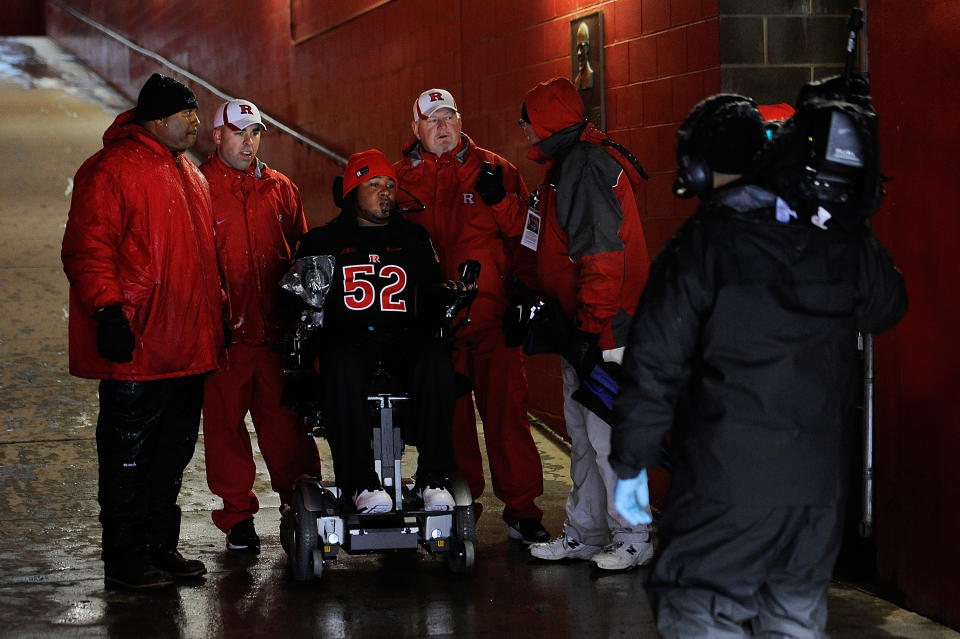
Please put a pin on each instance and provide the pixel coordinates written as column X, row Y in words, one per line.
column 22, row 18
column 349, row 84
column 918, row 408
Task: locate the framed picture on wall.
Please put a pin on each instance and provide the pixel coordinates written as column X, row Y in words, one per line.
column 586, row 65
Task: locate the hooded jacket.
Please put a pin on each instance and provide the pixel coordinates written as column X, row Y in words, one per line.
column 591, row 254
column 745, row 344
column 462, row 227
column 259, row 219
column 140, row 235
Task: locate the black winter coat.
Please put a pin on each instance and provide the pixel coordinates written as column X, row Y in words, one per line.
column 745, row 344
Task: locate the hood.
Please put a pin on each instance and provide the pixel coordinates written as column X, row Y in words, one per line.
column 125, row 126
column 553, row 106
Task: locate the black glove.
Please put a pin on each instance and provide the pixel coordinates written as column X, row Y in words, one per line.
column 583, row 353
column 489, row 184
column 456, row 299
column 114, row 339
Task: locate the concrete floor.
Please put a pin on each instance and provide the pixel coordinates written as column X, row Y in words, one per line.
column 52, row 116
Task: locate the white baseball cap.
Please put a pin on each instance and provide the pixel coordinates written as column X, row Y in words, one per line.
column 238, row 115
column 431, row 100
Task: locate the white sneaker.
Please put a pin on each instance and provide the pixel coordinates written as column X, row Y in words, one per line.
column 373, row 501
column 437, row 498
column 563, row 547
column 621, row 555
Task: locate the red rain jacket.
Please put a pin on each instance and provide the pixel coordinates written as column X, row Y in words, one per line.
column 592, row 255
column 140, row 235
column 462, row 227
column 259, row 219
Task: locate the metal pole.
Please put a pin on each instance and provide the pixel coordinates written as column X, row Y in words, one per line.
column 866, row 521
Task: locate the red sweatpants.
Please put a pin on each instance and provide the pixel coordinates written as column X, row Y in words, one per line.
column 500, row 388
column 251, row 380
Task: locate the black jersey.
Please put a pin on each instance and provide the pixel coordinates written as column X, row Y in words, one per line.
column 385, row 278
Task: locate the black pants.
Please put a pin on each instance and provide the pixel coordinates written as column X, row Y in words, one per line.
column 146, row 433
column 420, row 367
column 743, row 571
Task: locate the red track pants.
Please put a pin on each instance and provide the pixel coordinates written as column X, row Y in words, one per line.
column 251, row 380
column 500, row 387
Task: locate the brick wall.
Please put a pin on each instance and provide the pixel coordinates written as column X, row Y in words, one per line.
column 914, row 49
column 769, row 49
column 22, row 18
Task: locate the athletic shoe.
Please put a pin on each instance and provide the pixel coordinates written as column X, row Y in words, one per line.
column 243, row 538
column 140, row 577
column 373, row 501
column 436, row 497
column 621, row 555
column 173, row 562
column 529, row 531
column 563, row 547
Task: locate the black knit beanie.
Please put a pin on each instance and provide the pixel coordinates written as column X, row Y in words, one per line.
column 162, row 96
column 726, row 130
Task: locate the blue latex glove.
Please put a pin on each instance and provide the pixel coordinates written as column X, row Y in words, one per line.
column 632, row 499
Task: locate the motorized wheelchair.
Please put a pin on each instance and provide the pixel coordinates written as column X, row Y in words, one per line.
column 321, row 521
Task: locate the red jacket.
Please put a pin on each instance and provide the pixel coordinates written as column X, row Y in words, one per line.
column 259, row 219
column 461, row 226
column 591, row 255
column 140, row 235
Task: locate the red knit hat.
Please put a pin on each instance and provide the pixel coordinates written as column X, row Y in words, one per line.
column 553, row 106
column 365, row 165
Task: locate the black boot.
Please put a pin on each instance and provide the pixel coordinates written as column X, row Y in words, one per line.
column 140, row 575
column 171, row 561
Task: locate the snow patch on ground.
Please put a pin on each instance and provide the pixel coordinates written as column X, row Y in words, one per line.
column 39, row 63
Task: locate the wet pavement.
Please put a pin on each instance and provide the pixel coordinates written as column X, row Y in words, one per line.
column 52, row 116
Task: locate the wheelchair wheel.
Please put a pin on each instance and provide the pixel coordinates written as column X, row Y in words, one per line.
column 460, row 491
column 463, row 540
column 317, row 563
column 461, row 556
column 305, row 541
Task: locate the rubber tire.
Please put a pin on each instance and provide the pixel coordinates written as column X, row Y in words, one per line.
column 461, row 556
column 317, row 563
column 305, row 533
column 460, row 491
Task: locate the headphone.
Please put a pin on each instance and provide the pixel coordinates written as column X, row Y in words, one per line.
column 694, row 175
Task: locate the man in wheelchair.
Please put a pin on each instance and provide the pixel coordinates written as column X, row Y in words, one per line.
column 381, row 317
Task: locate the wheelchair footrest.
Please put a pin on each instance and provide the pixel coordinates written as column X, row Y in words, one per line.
column 383, row 538
column 390, row 531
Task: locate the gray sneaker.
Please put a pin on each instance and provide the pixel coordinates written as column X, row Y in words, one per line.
column 563, row 547
column 621, row 555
